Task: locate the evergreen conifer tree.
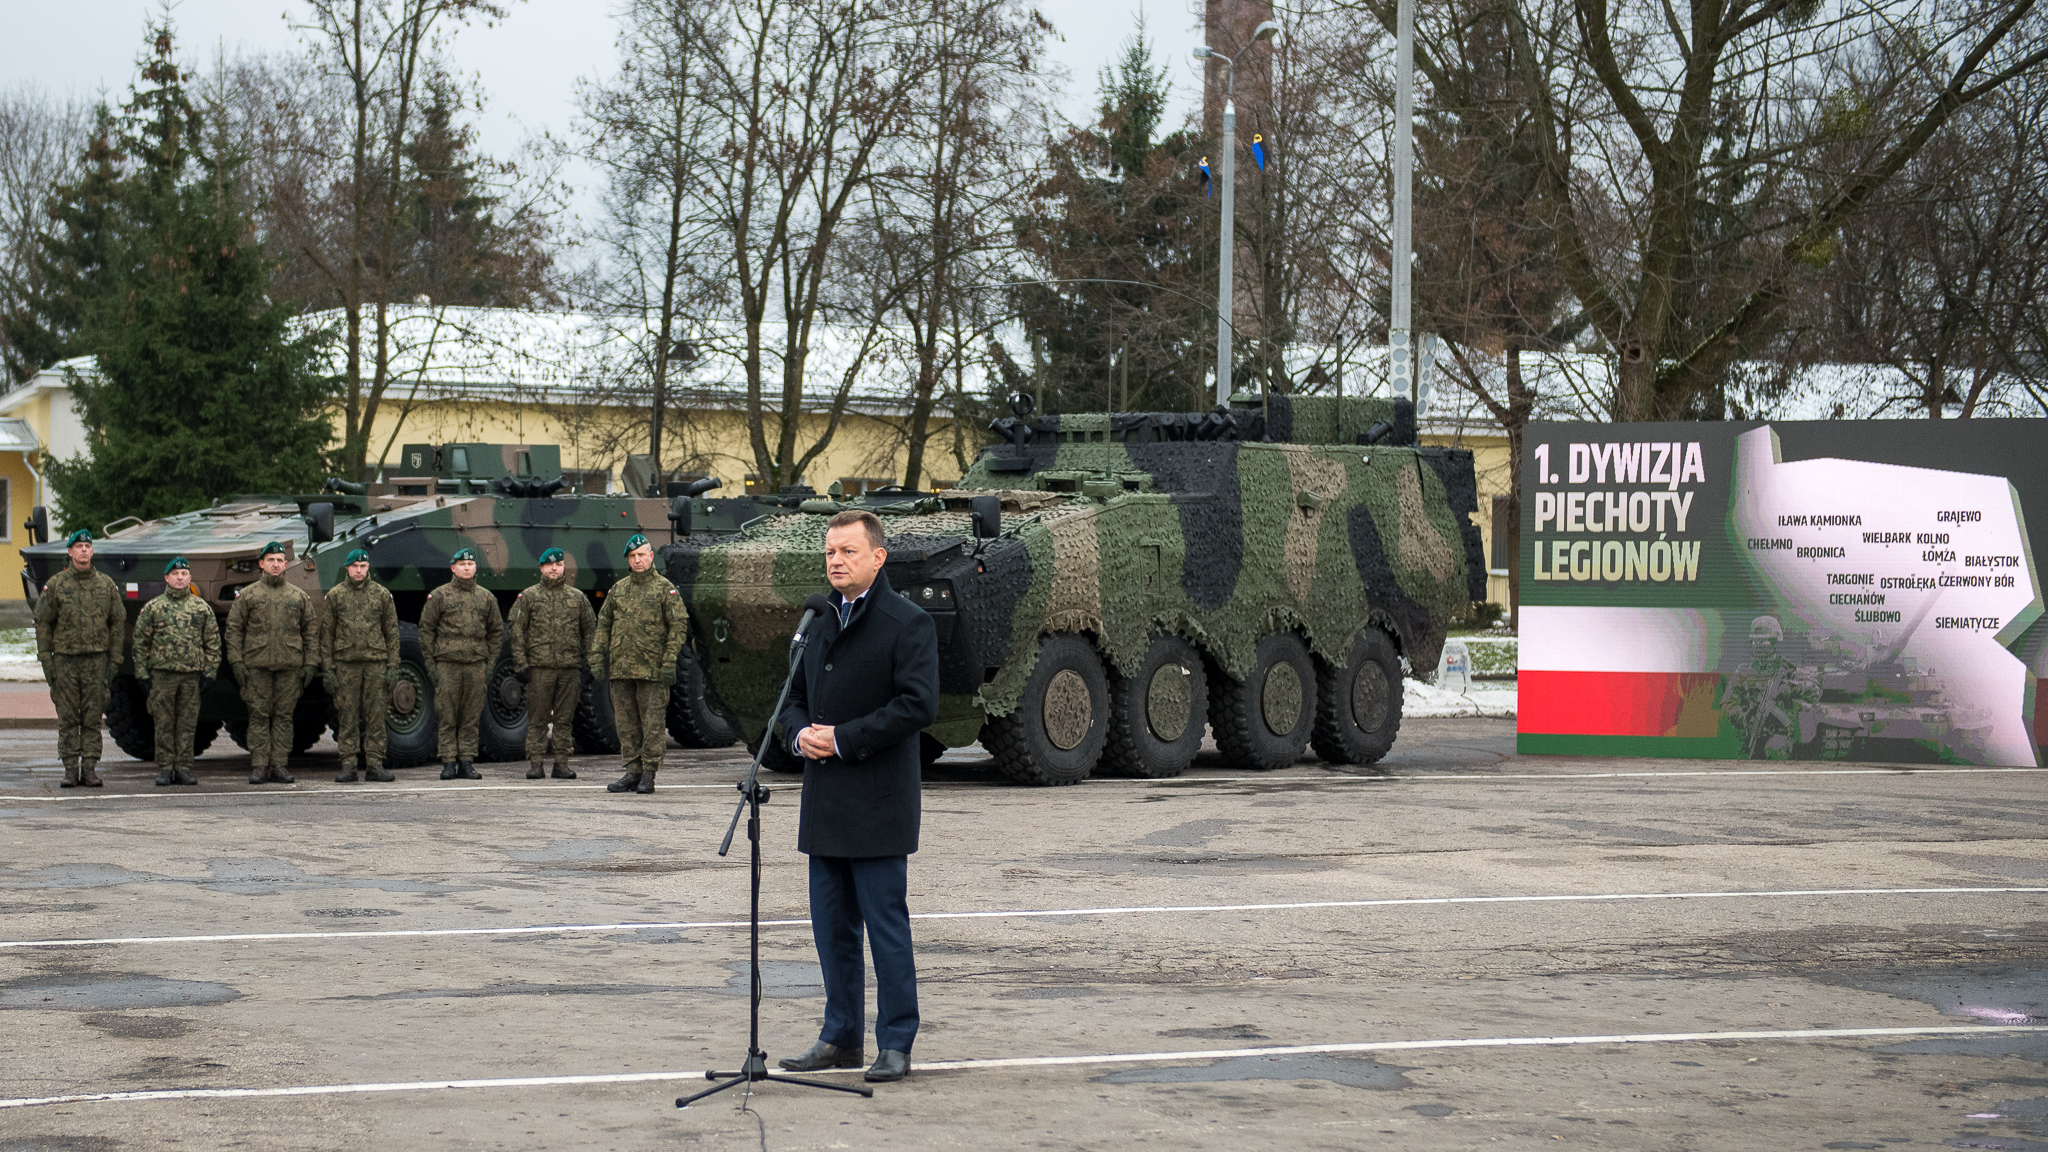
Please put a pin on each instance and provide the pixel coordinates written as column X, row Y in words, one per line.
column 205, row 386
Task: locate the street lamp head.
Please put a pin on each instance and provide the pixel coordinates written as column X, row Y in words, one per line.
column 1268, row 29
column 1203, row 52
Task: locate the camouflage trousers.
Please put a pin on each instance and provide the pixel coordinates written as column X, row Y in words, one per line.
column 78, row 687
column 551, row 695
column 272, row 694
column 640, row 708
column 361, row 706
column 459, row 698
column 174, row 706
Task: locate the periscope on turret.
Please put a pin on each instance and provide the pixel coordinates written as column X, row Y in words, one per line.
column 1109, row 585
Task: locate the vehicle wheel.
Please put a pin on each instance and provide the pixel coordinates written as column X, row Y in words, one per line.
column 501, row 733
column 779, row 758
column 1263, row 723
column 1157, row 716
column 1056, row 734
column 204, row 736
column 595, row 728
column 128, row 718
column 309, row 719
column 691, row 719
column 1358, row 706
column 929, row 749
column 412, row 729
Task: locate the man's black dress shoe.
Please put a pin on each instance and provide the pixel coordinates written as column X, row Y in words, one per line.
column 820, row 1057
column 890, row 1065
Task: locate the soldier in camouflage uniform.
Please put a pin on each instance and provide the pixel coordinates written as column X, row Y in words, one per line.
column 639, row 635
column 460, row 634
column 80, row 631
column 274, row 649
column 551, row 626
column 360, row 633
column 177, row 650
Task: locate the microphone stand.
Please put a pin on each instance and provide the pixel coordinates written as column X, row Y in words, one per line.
column 752, row 796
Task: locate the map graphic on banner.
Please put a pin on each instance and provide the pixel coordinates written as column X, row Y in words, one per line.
column 1706, row 596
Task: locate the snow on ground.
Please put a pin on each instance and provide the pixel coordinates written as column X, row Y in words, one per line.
column 18, row 655
column 1419, row 699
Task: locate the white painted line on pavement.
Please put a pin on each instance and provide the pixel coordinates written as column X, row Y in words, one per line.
column 1037, row 1062
column 1029, row 913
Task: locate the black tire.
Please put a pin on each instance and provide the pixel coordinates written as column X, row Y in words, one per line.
column 1358, row 706
column 1263, row 723
column 779, row 758
column 929, row 749
column 1157, row 716
column 309, row 718
column 412, row 736
column 1056, row 734
column 501, row 733
column 594, row 727
column 128, row 718
column 691, row 719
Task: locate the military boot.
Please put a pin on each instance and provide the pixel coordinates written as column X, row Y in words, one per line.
column 468, row 771
column 258, row 774
column 181, row 776
column 164, row 778
column 536, row 772
column 70, row 774
column 626, row 783
column 282, row 775
column 646, row 781
column 448, row 771
column 87, row 774
column 347, row 775
column 563, row 771
column 379, row 773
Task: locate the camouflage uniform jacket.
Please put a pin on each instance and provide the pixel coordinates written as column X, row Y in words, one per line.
column 641, row 629
column 80, row 613
column 460, row 624
column 551, row 626
column 272, row 625
column 360, row 624
column 176, row 633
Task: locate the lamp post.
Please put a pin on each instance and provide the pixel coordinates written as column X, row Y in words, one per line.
column 1228, row 177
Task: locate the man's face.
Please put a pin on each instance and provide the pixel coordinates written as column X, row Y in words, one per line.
column 179, row 578
column 81, row 555
column 463, row 569
column 273, row 564
column 850, row 561
column 641, row 559
column 360, row 570
column 553, row 569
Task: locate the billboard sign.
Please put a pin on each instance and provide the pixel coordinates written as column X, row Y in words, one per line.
column 1816, row 590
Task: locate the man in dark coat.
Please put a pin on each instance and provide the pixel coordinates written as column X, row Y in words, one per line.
column 869, row 684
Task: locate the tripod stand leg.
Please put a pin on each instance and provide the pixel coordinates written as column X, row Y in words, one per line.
column 861, row 1090
column 686, row 1101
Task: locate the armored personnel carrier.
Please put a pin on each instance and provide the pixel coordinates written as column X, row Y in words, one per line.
column 496, row 498
column 1107, row 586
column 1877, row 704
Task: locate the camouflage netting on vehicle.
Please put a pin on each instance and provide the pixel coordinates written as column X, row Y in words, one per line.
column 1121, row 528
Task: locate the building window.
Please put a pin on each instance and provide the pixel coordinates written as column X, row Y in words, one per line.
column 851, row 486
column 6, row 508
column 755, row 485
column 944, row 485
column 1500, row 534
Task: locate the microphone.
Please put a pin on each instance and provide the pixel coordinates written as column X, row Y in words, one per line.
column 814, row 605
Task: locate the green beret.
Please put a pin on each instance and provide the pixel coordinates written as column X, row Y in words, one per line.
column 356, row 554
column 79, row 537
column 552, row 555
column 176, row 563
column 633, row 542
column 273, row 546
column 462, row 554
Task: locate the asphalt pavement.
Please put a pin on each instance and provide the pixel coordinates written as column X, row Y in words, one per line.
column 1464, row 948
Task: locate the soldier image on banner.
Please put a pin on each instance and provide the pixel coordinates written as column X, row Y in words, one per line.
column 639, row 635
column 551, row 626
column 80, row 632
column 460, row 634
column 360, row 635
column 274, row 650
column 177, row 652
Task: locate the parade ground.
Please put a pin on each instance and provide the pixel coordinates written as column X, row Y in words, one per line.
column 1466, row 948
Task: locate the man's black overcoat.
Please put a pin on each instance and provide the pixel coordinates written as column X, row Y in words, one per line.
column 877, row 682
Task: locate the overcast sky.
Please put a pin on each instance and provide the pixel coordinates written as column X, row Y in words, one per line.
column 526, row 66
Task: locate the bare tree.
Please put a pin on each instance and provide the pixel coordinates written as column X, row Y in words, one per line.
column 43, row 140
